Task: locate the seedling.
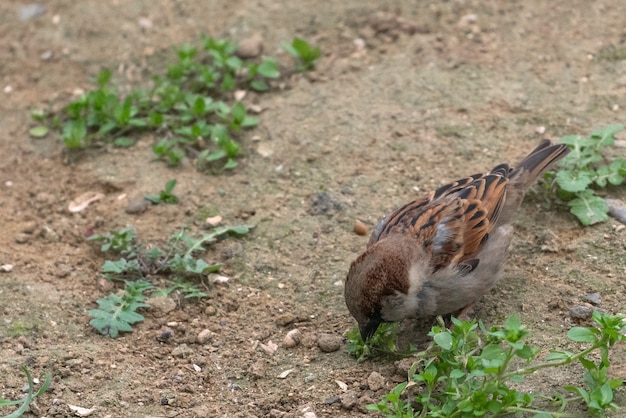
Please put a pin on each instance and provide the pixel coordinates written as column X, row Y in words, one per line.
column 30, row 395
column 584, row 169
column 190, row 107
column 473, row 371
column 179, row 264
column 166, row 195
column 305, row 54
column 118, row 313
column 382, row 343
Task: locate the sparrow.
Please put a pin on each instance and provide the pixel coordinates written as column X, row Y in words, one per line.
column 439, row 254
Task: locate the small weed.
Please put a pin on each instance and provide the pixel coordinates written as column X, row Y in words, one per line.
column 177, row 262
column 190, row 107
column 117, row 313
column 585, row 168
column 472, row 371
column 382, row 343
column 305, row 54
column 30, row 395
column 166, row 195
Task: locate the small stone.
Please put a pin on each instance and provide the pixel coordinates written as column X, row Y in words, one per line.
column 292, row 338
column 259, row 368
column 359, row 228
column 182, row 351
column 137, row 205
column 28, row 227
column 210, row 310
column 49, row 234
column 329, row 342
column 250, row 47
column 403, row 366
column 63, row 270
column 581, row 312
column 214, row 220
column 375, row 381
column 285, row 319
column 308, row 340
column 205, row 336
column 31, row 10
column 21, row 238
column 161, row 305
column 594, row 299
column 348, row 399
column 309, row 414
column 277, row 413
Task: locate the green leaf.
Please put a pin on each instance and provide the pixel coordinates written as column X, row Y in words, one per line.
column 38, row 131
column 443, row 340
column 605, row 135
column 581, row 334
column 574, row 181
column 269, row 69
column 116, row 314
column 259, row 85
column 588, row 208
column 123, row 142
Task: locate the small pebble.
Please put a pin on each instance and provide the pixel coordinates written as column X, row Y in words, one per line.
column 214, row 220
column 285, row 319
column 182, row 350
column 375, row 381
column 137, row 205
column 581, row 312
column 205, row 336
column 292, row 338
column 31, row 10
column 359, row 228
column 348, row 399
column 329, row 342
column 594, row 299
column 28, row 227
column 250, row 47
column 309, row 414
column 617, row 209
column 21, row 238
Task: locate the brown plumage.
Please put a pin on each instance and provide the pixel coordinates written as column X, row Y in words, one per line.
column 439, row 254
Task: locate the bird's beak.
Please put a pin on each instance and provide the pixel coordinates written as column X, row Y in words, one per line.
column 368, row 330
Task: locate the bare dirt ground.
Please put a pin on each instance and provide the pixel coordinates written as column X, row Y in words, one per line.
column 430, row 91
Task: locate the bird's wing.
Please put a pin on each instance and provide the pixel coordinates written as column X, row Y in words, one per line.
column 454, row 221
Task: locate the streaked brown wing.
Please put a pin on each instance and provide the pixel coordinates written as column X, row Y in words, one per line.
column 454, row 220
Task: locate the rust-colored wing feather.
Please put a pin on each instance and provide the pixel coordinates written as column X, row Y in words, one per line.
column 455, row 220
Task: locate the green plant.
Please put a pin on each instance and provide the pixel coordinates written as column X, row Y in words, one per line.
column 178, row 263
column 305, row 54
column 472, row 371
column 585, row 167
column 189, row 107
column 166, row 195
column 121, row 241
column 117, row 313
column 382, row 343
column 30, row 395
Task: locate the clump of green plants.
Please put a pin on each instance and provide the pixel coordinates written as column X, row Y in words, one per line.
column 30, row 395
column 166, row 195
column 304, row 53
column 584, row 170
column 118, row 313
column 382, row 344
column 470, row 370
column 190, row 108
column 178, row 263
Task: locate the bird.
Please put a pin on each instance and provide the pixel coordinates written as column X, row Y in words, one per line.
column 441, row 253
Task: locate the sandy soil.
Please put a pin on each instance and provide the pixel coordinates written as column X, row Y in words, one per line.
column 430, row 91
